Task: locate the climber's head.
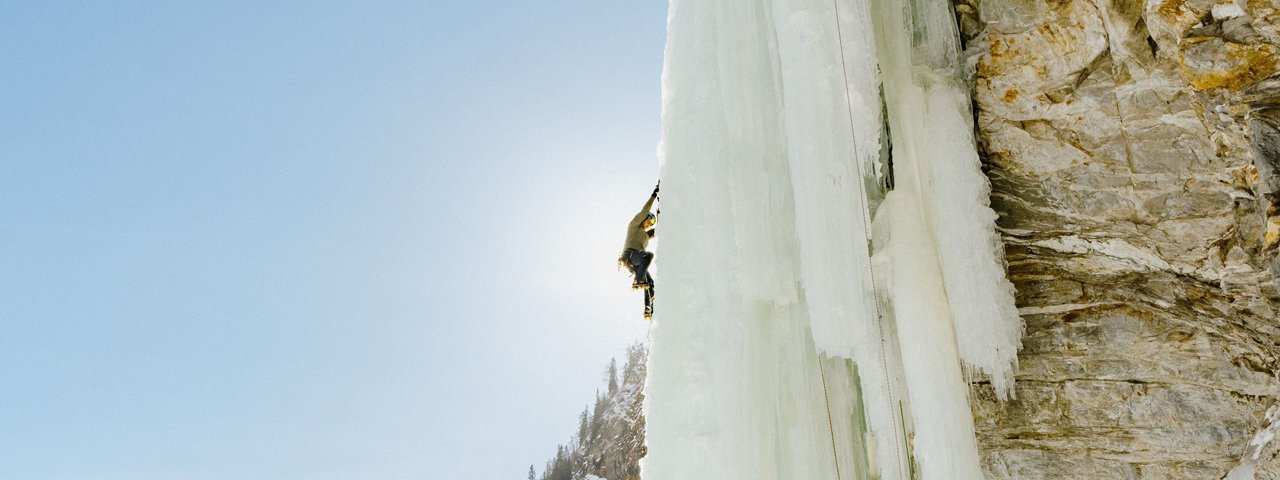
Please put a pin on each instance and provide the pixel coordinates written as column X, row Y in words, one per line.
column 649, row 221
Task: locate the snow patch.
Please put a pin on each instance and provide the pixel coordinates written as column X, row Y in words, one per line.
column 1225, row 10
column 1064, row 308
column 1249, row 460
column 1115, row 248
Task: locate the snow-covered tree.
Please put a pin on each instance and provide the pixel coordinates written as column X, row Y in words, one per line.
column 610, row 439
column 613, row 376
column 584, row 427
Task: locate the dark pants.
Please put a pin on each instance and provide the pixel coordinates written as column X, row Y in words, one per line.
column 638, row 262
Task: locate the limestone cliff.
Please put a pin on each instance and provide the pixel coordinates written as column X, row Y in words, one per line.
column 1132, row 148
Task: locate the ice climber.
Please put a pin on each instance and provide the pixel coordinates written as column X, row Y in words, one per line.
column 634, row 255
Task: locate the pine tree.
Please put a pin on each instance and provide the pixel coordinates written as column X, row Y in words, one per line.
column 584, row 429
column 613, row 376
column 597, row 414
column 561, row 468
column 532, row 475
column 547, row 469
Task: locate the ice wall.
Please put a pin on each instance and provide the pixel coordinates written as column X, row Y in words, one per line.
column 813, row 321
column 932, row 124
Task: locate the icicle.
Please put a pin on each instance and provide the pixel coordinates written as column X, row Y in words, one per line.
column 735, row 386
column 833, row 127
column 788, row 344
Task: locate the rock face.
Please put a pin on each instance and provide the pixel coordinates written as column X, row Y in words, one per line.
column 1134, row 152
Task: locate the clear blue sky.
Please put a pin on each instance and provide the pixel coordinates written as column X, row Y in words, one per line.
column 315, row 240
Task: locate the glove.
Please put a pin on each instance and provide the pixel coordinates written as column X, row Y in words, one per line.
column 655, row 189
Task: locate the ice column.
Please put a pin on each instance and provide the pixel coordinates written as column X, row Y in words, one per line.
column 804, row 328
column 833, row 125
column 736, row 385
column 930, row 113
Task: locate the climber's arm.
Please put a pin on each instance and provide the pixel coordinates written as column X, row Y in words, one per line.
column 649, row 204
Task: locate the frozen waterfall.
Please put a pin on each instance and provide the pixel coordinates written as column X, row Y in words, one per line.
column 829, row 268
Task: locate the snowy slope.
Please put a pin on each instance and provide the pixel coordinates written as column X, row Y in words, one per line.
column 778, row 351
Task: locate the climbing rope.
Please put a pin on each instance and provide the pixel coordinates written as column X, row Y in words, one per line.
column 866, row 230
column 830, row 425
